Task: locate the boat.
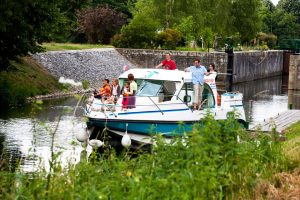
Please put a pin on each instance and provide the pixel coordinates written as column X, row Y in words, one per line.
column 164, row 102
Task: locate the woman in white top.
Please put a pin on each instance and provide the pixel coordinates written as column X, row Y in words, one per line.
column 115, row 92
column 132, row 91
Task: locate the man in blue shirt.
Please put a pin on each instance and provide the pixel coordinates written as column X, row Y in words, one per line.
column 198, row 72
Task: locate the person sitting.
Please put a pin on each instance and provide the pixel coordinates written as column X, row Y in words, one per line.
column 168, row 63
column 125, row 95
column 104, row 91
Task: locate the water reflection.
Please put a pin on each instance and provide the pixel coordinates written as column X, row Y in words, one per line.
column 28, row 135
column 24, row 138
column 264, row 98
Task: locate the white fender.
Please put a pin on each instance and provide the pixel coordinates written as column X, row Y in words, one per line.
column 81, row 136
column 126, row 140
column 95, row 143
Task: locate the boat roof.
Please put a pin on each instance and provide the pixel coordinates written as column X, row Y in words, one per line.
column 158, row 74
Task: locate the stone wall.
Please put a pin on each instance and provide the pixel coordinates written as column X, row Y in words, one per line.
column 294, row 75
column 294, row 82
column 96, row 64
column 249, row 66
column 93, row 65
column 146, row 58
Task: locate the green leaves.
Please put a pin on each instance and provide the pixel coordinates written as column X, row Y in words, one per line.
column 210, row 163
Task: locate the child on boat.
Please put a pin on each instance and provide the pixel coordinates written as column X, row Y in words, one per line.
column 125, row 96
column 115, row 92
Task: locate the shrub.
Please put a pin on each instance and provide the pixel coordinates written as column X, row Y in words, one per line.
column 217, row 160
column 139, row 33
column 168, row 39
column 99, row 24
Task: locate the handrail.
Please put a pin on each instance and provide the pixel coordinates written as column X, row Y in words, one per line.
column 90, row 109
column 156, row 106
column 107, row 105
column 109, row 110
column 177, row 97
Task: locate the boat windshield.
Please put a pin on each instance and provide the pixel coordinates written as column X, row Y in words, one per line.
column 149, row 88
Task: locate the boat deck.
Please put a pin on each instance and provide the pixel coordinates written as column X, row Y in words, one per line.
column 280, row 121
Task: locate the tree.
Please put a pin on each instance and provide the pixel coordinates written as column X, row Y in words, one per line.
column 286, row 26
column 291, row 10
column 23, row 25
column 99, row 24
column 246, row 18
column 139, row 33
column 266, row 13
column 123, row 6
column 141, row 30
column 187, row 28
column 66, row 28
column 169, row 38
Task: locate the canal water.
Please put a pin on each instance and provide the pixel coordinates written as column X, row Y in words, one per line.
column 26, row 134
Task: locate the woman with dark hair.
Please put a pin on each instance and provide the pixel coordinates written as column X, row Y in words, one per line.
column 211, row 67
column 212, row 70
column 132, row 91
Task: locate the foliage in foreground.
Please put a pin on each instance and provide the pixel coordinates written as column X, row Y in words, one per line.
column 214, row 161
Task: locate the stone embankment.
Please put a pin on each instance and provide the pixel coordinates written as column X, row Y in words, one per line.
column 96, row 64
column 92, row 65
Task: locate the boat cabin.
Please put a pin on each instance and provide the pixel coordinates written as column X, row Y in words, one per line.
column 168, row 86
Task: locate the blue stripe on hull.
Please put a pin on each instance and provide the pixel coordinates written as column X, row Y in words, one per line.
column 145, row 128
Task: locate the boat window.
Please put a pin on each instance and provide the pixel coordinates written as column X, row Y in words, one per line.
column 168, row 90
column 208, row 97
column 149, row 88
column 122, row 82
column 186, row 94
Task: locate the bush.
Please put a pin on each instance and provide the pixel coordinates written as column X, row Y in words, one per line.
column 217, row 160
column 99, row 24
column 168, row 39
column 139, row 33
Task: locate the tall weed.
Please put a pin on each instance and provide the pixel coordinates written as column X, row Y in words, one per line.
column 216, row 160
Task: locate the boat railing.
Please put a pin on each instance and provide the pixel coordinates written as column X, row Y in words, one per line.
column 156, row 105
column 112, row 107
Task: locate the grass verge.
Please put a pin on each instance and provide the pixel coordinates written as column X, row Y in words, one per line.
column 25, row 79
column 72, row 46
column 211, row 163
column 285, row 184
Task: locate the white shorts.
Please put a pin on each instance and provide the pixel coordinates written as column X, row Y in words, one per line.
column 198, row 89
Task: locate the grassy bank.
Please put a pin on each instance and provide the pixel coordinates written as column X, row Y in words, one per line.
column 210, row 164
column 72, row 46
column 25, row 79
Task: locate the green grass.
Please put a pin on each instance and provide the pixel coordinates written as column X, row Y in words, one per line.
column 192, row 49
column 292, row 145
column 72, row 46
column 209, row 164
column 25, row 79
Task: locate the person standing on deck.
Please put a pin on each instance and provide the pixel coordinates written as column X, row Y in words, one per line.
column 115, row 92
column 168, row 63
column 132, row 91
column 198, row 72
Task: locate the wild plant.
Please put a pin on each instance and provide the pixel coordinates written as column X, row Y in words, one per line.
column 216, row 160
